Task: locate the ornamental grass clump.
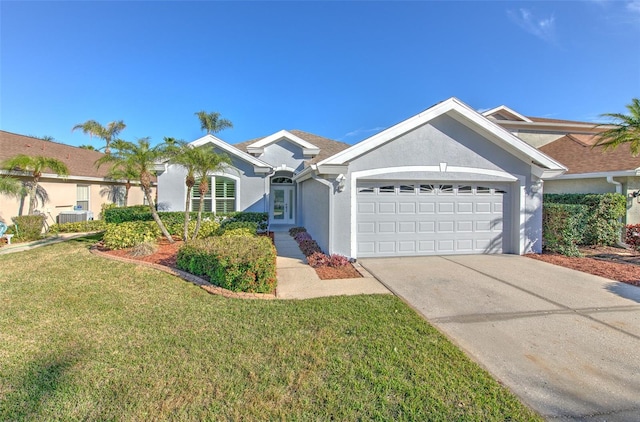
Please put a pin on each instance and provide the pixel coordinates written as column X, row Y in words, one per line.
column 236, row 263
column 28, row 227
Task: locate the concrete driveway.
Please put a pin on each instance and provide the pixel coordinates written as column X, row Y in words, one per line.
column 567, row 343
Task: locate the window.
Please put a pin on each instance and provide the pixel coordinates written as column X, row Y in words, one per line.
column 426, row 189
column 365, row 190
column 220, row 197
column 465, row 190
column 387, row 189
column 282, row 180
column 82, row 197
column 482, row 190
column 446, row 189
column 407, row 189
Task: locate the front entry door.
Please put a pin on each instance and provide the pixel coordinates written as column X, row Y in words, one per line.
column 282, row 205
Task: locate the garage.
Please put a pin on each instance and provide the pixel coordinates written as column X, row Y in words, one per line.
column 412, row 218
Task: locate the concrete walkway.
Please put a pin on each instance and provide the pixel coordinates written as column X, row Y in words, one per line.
column 567, row 343
column 25, row 246
column 297, row 280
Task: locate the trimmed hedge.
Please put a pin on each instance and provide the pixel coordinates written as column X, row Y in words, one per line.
column 602, row 225
column 231, row 225
column 563, row 227
column 236, row 263
column 130, row 234
column 261, row 219
column 29, row 227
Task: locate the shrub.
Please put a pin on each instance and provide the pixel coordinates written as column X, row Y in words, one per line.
column 308, row 247
column 248, row 226
column 29, row 227
column 302, row 236
column 246, row 264
column 240, row 231
column 130, row 234
column 632, row 236
column 602, row 225
column 295, row 230
column 338, row 261
column 563, row 227
column 208, row 228
column 318, row 259
column 261, row 219
column 79, row 227
column 123, row 214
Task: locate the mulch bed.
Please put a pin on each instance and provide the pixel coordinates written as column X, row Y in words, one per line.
column 167, row 253
column 612, row 263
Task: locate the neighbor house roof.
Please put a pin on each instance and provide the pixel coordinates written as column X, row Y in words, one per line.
column 79, row 161
column 577, row 153
column 328, row 147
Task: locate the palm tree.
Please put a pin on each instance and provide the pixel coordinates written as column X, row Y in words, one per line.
column 124, row 171
column 198, row 161
column 207, row 161
column 89, row 147
column 10, row 186
column 626, row 129
column 141, row 157
column 35, row 165
column 108, row 133
column 212, row 123
column 25, row 187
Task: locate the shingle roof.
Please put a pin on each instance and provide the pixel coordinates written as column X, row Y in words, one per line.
column 79, row 161
column 328, row 147
column 575, row 151
column 546, row 120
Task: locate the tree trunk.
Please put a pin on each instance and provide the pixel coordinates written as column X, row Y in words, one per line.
column 152, row 206
column 127, row 186
column 200, row 209
column 185, row 234
column 33, row 199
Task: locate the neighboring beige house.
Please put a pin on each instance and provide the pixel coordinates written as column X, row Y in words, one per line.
column 591, row 170
column 78, row 196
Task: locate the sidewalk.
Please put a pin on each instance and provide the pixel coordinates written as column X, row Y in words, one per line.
column 297, row 280
column 19, row 247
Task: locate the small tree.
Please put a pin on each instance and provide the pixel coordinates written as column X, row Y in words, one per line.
column 10, row 186
column 626, row 129
column 212, row 123
column 199, row 162
column 141, row 157
column 35, row 165
column 107, row 133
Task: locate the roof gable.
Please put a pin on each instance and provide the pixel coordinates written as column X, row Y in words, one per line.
column 505, row 113
column 308, row 149
column 464, row 115
column 259, row 165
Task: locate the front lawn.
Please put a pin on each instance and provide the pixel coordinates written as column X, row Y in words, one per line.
column 84, row 338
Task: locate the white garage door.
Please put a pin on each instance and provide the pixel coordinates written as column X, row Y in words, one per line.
column 426, row 218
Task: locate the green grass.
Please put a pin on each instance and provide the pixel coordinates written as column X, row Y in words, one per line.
column 85, row 338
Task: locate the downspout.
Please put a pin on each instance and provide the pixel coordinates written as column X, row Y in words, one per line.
column 618, row 186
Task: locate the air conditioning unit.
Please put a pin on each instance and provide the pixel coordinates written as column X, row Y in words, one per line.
column 74, row 216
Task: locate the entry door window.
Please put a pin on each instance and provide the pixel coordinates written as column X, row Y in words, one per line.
column 282, row 204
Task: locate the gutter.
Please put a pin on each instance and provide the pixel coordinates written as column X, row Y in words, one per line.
column 618, row 185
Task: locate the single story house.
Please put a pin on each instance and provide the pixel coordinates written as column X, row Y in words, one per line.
column 590, row 170
column 445, row 181
column 78, row 196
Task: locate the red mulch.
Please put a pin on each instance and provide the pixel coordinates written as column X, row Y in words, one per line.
column 166, row 255
column 331, row 273
column 612, row 263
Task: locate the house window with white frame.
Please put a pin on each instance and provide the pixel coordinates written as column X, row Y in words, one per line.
column 82, row 197
column 221, row 196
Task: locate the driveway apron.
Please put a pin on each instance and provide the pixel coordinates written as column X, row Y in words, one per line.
column 567, row 343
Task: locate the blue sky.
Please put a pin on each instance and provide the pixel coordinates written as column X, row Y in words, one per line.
column 343, row 70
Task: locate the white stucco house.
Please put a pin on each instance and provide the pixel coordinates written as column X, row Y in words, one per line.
column 590, row 169
column 445, row 181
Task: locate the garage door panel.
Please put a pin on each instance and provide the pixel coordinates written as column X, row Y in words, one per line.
column 426, row 218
